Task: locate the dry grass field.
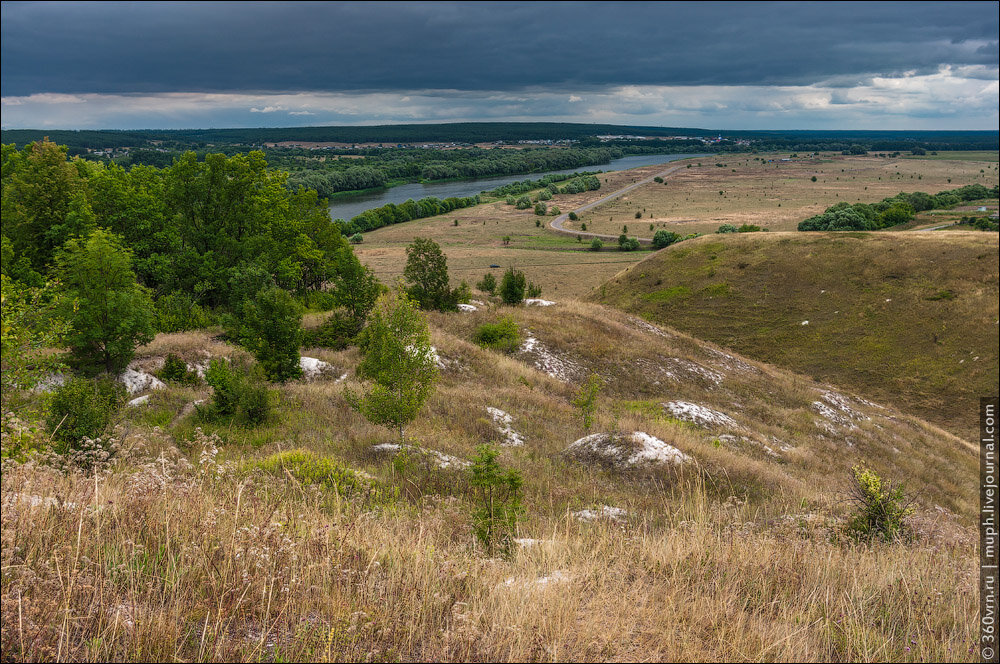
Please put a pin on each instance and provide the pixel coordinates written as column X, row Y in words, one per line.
column 777, row 195
column 559, row 264
column 200, row 543
column 908, row 318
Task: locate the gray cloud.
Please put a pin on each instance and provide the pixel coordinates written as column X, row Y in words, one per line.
column 369, row 47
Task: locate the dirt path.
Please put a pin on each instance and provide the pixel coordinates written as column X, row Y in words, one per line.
column 557, row 223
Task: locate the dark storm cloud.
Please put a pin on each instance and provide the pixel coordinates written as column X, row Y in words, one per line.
column 151, row 48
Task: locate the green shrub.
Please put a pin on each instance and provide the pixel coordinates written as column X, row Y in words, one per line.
column 175, row 370
column 237, row 392
column 178, row 311
column 523, row 203
column 583, row 226
column 626, row 243
column 540, row 209
column 272, row 332
column 503, row 336
column 357, row 238
column 727, row 228
column 336, row 332
column 638, row 215
column 512, row 286
column 664, row 238
column 545, row 195
column 497, row 500
column 586, row 400
column 83, row 408
column 881, row 507
column 573, row 216
column 488, row 284
column 596, row 245
column 533, row 290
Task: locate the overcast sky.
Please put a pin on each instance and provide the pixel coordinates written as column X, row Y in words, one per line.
column 810, row 65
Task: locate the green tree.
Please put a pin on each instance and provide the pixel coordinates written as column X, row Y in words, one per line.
column 663, row 238
column 586, row 400
column 44, row 201
column 28, row 327
column 497, row 495
column 399, row 361
column 109, row 313
column 426, row 272
column 512, row 286
column 272, row 325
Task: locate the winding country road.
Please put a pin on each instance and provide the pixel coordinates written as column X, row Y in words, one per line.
column 557, row 223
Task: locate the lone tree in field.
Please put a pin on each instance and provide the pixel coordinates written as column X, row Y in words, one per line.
column 426, row 272
column 512, row 286
column 398, row 360
column 109, row 313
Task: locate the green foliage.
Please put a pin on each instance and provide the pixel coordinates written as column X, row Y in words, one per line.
column 358, row 238
column 83, row 408
column 355, row 288
column 310, row 469
column 271, row 328
column 488, row 283
column 236, row 393
column 596, row 244
column 898, row 209
column 663, row 238
column 638, row 215
column 880, row 505
column 28, row 327
column 540, row 208
column 398, row 359
column 178, row 311
column 175, row 370
column 503, row 336
column 545, row 195
column 626, row 243
column 727, row 228
column 512, row 286
column 573, row 216
column 523, row 203
column 426, row 272
column 533, row 290
column 336, row 332
column 110, row 314
column 586, row 400
column 497, row 500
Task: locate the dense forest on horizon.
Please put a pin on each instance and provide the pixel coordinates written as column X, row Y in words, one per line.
column 479, row 132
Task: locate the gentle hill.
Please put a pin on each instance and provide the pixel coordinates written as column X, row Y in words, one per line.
column 905, row 318
column 734, row 552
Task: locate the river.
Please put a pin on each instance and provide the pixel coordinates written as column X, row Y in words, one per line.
column 347, row 207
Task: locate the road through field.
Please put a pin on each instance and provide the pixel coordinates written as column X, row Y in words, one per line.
column 557, row 223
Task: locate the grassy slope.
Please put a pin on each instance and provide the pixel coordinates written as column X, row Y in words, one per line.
column 719, row 560
column 906, row 318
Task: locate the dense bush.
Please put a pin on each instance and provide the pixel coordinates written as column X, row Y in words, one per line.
column 893, row 211
column 337, row 332
column 178, row 312
column 596, row 245
column 626, row 243
column 271, row 328
column 512, row 286
column 426, row 274
column 237, row 392
column 175, row 370
column 84, row 408
column 664, row 238
column 503, row 336
column 488, row 283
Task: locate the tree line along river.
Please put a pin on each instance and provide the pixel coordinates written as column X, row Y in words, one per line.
column 347, row 207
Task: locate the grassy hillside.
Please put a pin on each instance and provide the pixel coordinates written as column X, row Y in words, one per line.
column 905, row 318
column 212, row 540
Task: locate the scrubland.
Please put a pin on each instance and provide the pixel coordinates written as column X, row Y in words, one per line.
column 207, row 540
